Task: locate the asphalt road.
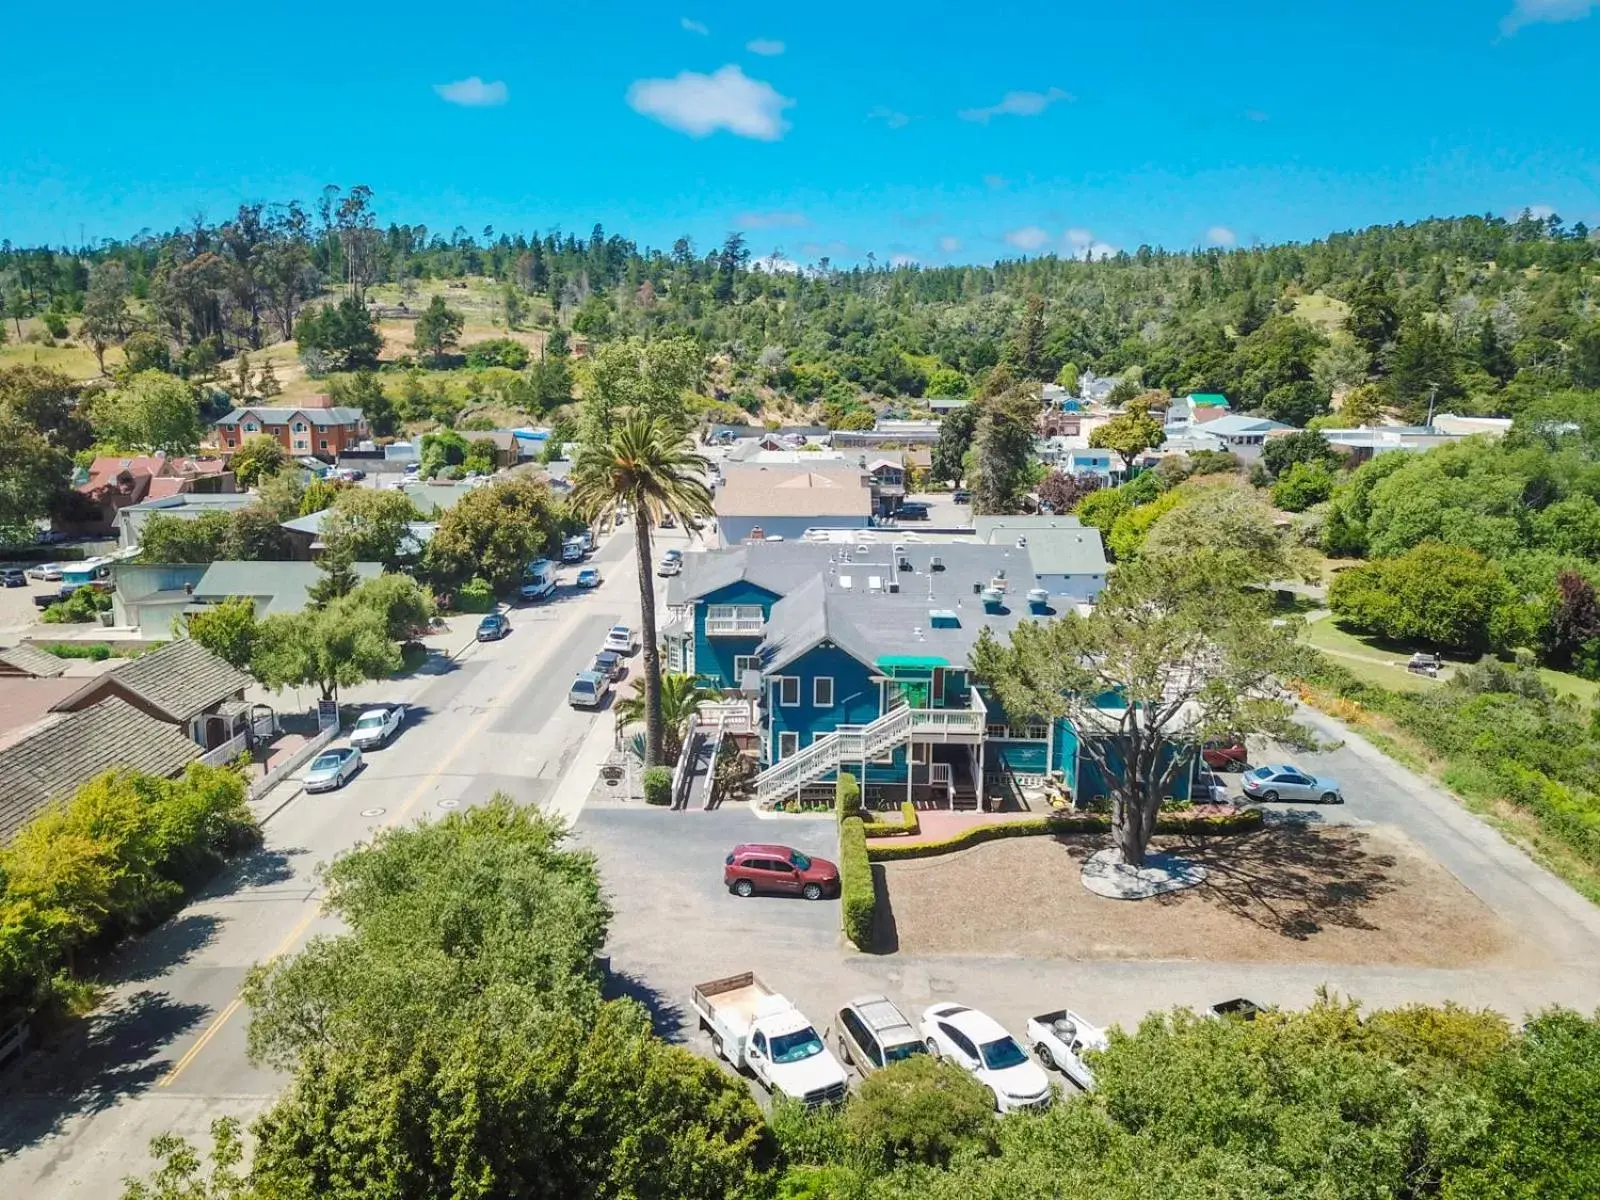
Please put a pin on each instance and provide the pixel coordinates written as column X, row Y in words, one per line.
column 167, row 1052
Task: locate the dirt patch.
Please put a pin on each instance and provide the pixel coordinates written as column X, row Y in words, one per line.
column 1283, row 894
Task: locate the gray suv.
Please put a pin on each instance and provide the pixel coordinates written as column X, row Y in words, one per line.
column 874, row 1033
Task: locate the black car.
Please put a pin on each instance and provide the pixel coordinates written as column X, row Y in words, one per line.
column 912, row 511
column 493, row 627
column 962, row 496
column 13, row 577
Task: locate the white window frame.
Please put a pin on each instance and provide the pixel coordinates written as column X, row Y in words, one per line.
column 251, row 427
column 1037, row 733
column 298, row 427
column 996, row 731
column 743, row 663
column 793, row 744
column 816, row 691
column 783, row 681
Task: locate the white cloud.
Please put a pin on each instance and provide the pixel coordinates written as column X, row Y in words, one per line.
column 693, row 27
column 473, row 92
column 777, row 263
column 1539, row 212
column 1079, row 238
column 765, row 46
column 1081, row 243
column 1533, row 12
column 949, row 244
column 890, row 117
column 903, row 260
column 1028, row 238
column 700, row 105
column 1016, row 104
column 995, row 182
column 773, row 220
column 1221, row 235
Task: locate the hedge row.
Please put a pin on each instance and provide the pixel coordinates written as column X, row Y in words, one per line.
column 858, row 894
column 1242, row 821
column 909, row 824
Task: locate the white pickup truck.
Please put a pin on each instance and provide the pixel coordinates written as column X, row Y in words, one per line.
column 377, row 725
column 1061, row 1039
column 758, row 1030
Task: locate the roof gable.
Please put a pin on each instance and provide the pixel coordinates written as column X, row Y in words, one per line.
column 30, row 661
column 178, row 681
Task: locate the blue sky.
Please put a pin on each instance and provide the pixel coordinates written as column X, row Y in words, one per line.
column 910, row 131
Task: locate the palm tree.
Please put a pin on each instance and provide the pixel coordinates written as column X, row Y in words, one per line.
column 681, row 697
column 643, row 463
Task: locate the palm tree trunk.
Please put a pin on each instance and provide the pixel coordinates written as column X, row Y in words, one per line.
column 649, row 652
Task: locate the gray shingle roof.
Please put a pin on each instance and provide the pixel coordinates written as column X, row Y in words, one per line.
column 62, row 757
column 31, row 661
column 180, row 680
column 323, row 418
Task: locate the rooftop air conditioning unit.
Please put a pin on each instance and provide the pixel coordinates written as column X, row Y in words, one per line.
column 936, row 563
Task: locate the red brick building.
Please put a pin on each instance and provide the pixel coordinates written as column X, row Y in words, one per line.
column 314, row 428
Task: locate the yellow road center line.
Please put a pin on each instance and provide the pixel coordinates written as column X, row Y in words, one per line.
column 304, row 923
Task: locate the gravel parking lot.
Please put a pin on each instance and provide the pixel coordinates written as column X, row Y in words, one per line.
column 1288, row 893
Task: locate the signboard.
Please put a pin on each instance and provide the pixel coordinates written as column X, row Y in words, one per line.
column 327, row 714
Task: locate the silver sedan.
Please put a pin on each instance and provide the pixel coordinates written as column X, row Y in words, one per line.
column 1290, row 783
column 332, row 769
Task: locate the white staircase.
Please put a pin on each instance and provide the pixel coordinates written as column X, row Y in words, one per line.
column 788, row 776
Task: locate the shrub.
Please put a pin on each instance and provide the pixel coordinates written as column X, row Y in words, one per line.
column 93, row 651
column 908, row 813
column 498, row 352
column 657, row 785
column 908, row 825
column 920, row 1110
column 475, row 596
column 858, row 893
column 84, row 604
column 847, row 796
column 55, row 323
column 1198, row 823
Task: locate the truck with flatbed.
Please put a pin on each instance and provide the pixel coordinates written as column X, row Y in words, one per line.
column 757, row 1030
column 376, row 726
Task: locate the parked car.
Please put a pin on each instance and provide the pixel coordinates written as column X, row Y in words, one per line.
column 332, row 769
column 46, row 572
column 779, row 870
column 377, row 726
column 1061, row 1039
column 674, row 554
column 1424, row 664
column 13, row 577
column 669, row 566
column 873, row 1033
column 1226, row 754
column 610, row 664
column 961, row 496
column 913, row 510
column 493, row 627
column 572, row 550
column 1208, row 788
column 1290, row 783
column 589, row 689
column 979, row 1045
column 589, row 577
column 620, row 638
column 758, row 1030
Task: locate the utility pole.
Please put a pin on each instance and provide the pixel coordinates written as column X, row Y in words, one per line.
column 1433, row 393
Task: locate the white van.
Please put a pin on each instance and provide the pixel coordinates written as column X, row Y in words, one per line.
column 538, row 580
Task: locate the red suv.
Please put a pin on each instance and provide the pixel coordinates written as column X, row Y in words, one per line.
column 1225, row 754
column 782, row 870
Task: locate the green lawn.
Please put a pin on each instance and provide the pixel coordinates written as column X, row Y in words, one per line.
column 1363, row 658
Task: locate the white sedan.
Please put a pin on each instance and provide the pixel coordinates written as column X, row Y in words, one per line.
column 619, row 639
column 979, row 1045
column 48, row 572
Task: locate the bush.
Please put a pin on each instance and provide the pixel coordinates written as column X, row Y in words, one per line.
column 84, row 604
column 1195, row 823
column 909, row 824
column 93, row 651
column 847, row 796
column 858, row 892
column 498, row 352
column 55, row 323
column 920, row 1110
column 474, row 596
column 657, row 785
column 116, row 856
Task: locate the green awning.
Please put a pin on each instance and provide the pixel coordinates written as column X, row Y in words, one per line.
column 890, row 661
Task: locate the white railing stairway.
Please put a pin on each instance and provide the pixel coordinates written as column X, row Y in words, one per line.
column 853, row 744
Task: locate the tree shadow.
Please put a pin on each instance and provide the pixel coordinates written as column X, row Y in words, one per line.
column 1290, row 877
column 885, row 934
column 168, row 945
column 264, row 868
column 96, row 1062
column 667, row 1016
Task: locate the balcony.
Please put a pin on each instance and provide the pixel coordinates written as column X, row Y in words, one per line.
column 735, row 620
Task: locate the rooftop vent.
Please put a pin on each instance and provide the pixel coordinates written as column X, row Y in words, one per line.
column 993, row 599
column 874, row 583
column 1022, row 543
column 936, row 563
column 844, row 582
column 1038, row 599
column 943, row 618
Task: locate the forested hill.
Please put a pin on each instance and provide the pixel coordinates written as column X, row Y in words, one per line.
column 1480, row 313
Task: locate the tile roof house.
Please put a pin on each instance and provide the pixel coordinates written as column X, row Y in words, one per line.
column 29, row 662
column 858, row 658
column 113, row 483
column 181, row 684
column 56, row 760
column 786, row 501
